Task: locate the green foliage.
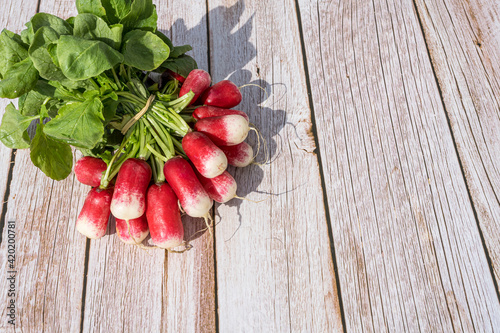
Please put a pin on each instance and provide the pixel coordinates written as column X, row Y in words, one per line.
column 53, row 157
column 82, row 59
column 81, row 76
column 79, row 124
column 13, row 132
column 144, row 50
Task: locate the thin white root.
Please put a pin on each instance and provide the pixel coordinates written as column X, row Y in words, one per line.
column 260, row 138
column 260, row 87
column 133, row 238
column 209, row 222
column 180, row 207
column 242, row 198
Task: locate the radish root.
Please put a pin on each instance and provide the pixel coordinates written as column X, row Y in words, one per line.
column 265, row 149
column 133, row 238
column 258, row 86
column 242, row 198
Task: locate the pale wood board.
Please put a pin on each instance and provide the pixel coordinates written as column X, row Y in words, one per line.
column 189, row 291
column 407, row 245
column 274, row 263
column 49, row 252
column 11, row 19
column 464, row 44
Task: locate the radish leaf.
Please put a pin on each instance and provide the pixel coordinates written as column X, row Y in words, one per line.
column 30, row 103
column 12, row 50
column 13, row 129
column 180, row 50
column 142, row 15
column 182, row 65
column 91, row 27
column 82, row 59
column 91, row 6
column 39, row 54
column 19, row 79
column 144, row 50
column 79, row 124
column 54, row 158
column 48, row 20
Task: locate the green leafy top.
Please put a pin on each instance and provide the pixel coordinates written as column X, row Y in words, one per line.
column 84, row 76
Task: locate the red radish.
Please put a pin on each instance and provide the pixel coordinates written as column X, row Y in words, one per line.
column 192, row 196
column 208, row 159
column 240, row 155
column 164, row 217
column 198, row 81
column 129, row 198
column 93, row 219
column 224, row 94
column 176, row 76
column 138, row 228
column 212, row 111
column 221, row 188
column 226, row 130
column 88, row 170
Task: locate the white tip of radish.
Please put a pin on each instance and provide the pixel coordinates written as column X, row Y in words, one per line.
column 129, row 209
column 197, row 205
column 214, row 165
column 237, row 128
column 89, row 229
column 170, row 244
column 133, row 241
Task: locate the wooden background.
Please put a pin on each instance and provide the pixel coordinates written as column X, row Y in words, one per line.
column 382, row 210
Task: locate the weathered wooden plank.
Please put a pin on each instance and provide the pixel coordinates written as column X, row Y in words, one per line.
column 274, row 264
column 11, row 19
column 49, row 253
column 406, row 241
column 464, row 43
column 189, row 291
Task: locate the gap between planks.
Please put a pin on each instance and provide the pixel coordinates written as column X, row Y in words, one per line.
column 314, row 130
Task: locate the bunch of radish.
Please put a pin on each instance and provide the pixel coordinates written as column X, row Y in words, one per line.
column 154, row 174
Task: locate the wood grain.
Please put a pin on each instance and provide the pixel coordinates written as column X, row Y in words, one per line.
column 49, row 252
column 408, row 248
column 189, row 290
column 464, row 44
column 274, row 262
column 11, row 18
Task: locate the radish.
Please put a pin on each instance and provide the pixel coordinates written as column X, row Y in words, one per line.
column 208, row 159
column 93, row 219
column 88, row 170
column 129, row 198
column 239, row 155
column 226, row 130
column 198, row 81
column 192, row 196
column 137, row 228
column 212, row 111
column 164, row 217
column 224, row 94
column 221, row 188
column 176, row 76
